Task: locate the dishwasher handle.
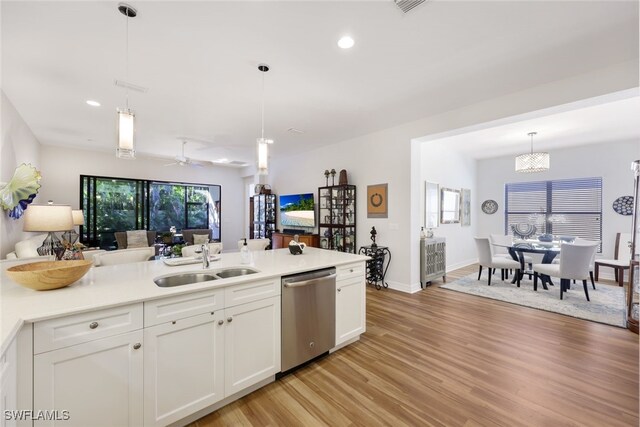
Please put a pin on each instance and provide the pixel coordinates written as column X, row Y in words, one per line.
column 310, row 281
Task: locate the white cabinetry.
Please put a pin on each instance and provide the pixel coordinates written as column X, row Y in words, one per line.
column 350, row 302
column 183, row 367
column 99, row 382
column 8, row 384
column 252, row 343
column 90, row 365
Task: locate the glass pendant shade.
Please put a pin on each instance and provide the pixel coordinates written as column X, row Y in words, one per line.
column 263, row 157
column 532, row 162
column 126, row 133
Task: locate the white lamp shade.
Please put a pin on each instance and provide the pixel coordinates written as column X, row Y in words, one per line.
column 532, row 162
column 126, row 132
column 78, row 217
column 48, row 218
column 263, row 158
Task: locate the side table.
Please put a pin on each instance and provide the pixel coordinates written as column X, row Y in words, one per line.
column 378, row 265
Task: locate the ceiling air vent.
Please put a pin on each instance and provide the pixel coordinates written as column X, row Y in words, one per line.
column 407, row 5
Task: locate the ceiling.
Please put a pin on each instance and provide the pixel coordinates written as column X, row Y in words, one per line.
column 199, row 62
column 606, row 122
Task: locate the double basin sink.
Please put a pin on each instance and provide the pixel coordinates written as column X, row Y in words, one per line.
column 180, row 279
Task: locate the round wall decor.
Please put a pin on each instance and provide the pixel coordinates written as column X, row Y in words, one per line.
column 623, row 205
column 489, row 207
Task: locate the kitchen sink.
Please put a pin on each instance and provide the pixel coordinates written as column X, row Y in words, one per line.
column 189, row 278
column 234, row 272
column 183, row 279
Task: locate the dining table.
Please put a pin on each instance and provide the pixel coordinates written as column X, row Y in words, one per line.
column 519, row 247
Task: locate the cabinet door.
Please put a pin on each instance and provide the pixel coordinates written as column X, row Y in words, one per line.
column 99, row 383
column 252, row 343
column 350, row 308
column 8, row 384
column 183, row 367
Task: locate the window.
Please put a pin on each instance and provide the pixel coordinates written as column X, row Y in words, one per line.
column 567, row 207
column 119, row 204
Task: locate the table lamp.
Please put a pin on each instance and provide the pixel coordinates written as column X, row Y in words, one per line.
column 78, row 219
column 49, row 218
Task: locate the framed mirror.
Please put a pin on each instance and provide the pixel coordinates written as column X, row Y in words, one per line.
column 449, row 206
column 431, row 204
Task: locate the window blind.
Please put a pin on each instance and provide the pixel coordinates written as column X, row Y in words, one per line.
column 566, row 207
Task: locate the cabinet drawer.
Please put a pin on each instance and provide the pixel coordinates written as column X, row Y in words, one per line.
column 253, row 291
column 350, row 270
column 182, row 306
column 65, row 331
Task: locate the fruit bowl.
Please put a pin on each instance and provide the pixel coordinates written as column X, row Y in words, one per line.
column 47, row 275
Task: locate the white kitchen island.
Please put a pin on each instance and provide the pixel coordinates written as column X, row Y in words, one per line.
column 115, row 349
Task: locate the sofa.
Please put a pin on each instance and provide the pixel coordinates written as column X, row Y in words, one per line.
column 28, row 249
column 187, row 235
column 121, row 239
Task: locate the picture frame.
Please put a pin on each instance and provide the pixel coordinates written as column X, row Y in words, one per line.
column 449, row 206
column 377, row 203
column 465, row 207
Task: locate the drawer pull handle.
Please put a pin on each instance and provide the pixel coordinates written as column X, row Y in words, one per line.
column 229, row 319
column 173, row 322
column 93, row 325
column 339, row 289
column 137, row 346
column 220, row 322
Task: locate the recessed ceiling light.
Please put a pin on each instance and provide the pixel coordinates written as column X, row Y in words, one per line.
column 346, row 42
column 93, row 103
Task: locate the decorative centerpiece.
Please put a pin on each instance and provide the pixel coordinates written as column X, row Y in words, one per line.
column 296, row 247
column 48, row 275
column 545, row 237
column 373, row 233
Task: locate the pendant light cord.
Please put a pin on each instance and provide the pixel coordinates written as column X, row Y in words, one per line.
column 126, row 73
column 263, row 106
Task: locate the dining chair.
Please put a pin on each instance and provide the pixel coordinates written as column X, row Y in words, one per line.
column 573, row 265
column 581, row 241
column 255, row 244
column 195, row 250
column 621, row 258
column 124, row 256
column 503, row 251
column 486, row 259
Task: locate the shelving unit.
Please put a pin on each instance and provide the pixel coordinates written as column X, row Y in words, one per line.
column 337, row 217
column 262, row 220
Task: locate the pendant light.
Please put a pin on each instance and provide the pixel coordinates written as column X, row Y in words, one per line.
column 126, row 117
column 263, row 143
column 532, row 162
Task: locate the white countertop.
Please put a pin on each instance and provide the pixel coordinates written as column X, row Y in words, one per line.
column 110, row 286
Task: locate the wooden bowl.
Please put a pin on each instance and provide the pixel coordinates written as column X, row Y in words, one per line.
column 47, row 275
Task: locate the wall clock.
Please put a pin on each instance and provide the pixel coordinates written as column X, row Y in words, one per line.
column 489, row 207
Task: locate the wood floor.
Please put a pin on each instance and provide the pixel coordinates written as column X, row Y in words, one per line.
column 443, row 358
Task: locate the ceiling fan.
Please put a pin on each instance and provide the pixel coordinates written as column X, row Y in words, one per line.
column 181, row 160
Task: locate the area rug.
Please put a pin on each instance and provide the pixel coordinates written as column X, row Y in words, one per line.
column 607, row 303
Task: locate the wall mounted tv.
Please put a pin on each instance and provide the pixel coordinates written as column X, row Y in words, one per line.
column 297, row 210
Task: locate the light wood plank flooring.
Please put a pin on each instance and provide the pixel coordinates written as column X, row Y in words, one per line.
column 443, row 358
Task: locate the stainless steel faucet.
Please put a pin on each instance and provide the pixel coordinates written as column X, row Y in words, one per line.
column 205, row 256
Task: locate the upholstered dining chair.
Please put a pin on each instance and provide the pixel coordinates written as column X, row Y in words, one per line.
column 502, row 251
column 574, row 265
column 255, row 244
column 194, row 250
column 621, row 258
column 486, row 259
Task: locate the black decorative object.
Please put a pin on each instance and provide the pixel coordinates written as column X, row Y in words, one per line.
column 378, row 265
column 326, row 177
column 373, row 237
column 623, row 205
column 489, row 207
column 333, row 177
column 523, row 230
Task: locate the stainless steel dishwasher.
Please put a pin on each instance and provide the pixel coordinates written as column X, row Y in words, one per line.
column 308, row 316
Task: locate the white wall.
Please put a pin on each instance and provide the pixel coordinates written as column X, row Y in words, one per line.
column 611, row 161
column 448, row 168
column 62, row 167
column 19, row 145
column 392, row 156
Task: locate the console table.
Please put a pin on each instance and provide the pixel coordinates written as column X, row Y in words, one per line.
column 378, row 265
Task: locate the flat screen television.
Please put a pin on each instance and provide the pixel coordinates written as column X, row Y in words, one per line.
column 297, row 210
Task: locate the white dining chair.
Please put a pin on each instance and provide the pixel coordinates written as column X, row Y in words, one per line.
column 499, row 243
column 486, row 259
column 196, row 250
column 573, row 265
